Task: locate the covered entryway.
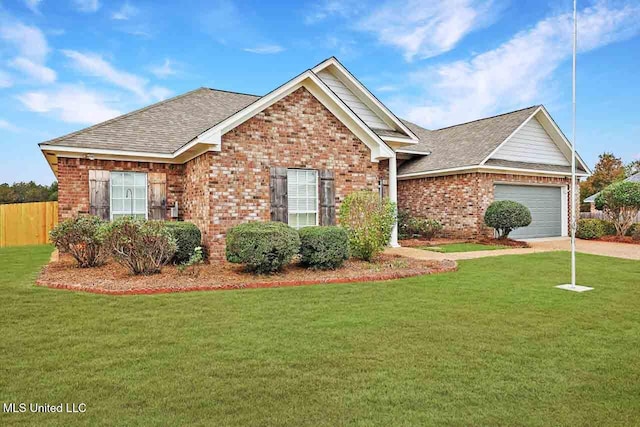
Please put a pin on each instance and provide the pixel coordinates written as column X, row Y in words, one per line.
column 545, row 204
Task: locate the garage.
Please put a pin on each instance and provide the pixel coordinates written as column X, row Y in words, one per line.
column 545, row 204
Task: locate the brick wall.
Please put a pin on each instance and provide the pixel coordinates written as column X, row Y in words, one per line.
column 73, row 182
column 296, row 132
column 459, row 201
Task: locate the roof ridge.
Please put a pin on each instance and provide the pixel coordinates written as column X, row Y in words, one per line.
column 490, row 117
column 139, row 110
column 230, row 91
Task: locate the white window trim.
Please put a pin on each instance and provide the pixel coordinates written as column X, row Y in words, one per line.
column 317, row 211
column 146, row 199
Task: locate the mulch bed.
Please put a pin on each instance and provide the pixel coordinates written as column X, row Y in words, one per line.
column 620, row 239
column 415, row 243
column 114, row 279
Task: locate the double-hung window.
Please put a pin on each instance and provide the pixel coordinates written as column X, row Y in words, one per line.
column 128, row 194
column 302, row 190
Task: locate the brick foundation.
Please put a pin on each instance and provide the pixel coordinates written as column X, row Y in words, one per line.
column 459, row 201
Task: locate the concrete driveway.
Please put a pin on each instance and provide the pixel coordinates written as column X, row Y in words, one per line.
column 618, row 250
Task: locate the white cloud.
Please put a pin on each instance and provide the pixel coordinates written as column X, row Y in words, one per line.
column 70, row 103
column 165, row 70
column 5, row 80
column 328, row 8
column 29, row 41
column 426, row 28
column 265, row 49
column 126, row 12
column 9, row 126
column 87, row 6
column 160, row 93
column 33, row 5
column 38, row 72
column 518, row 72
column 387, row 88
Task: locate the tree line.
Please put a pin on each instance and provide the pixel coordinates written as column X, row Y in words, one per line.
column 608, row 170
column 24, row 192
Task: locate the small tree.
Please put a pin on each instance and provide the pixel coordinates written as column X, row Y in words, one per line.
column 505, row 216
column 368, row 220
column 621, row 204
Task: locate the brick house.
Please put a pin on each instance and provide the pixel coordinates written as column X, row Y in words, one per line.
column 219, row 158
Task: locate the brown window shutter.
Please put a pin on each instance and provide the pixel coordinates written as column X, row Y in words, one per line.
column 327, row 198
column 99, row 201
column 157, row 195
column 278, row 190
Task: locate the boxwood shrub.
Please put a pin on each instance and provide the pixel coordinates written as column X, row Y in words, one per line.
column 507, row 215
column 262, row 247
column 188, row 238
column 590, row 229
column 324, row 248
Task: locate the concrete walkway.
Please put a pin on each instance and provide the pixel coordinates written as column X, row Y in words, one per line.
column 618, row 250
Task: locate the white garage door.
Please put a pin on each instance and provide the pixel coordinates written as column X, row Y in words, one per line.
column 545, row 204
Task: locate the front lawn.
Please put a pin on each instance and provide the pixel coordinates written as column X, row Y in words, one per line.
column 492, row 344
column 463, row 247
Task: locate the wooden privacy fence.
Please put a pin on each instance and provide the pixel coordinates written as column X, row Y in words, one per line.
column 27, row 223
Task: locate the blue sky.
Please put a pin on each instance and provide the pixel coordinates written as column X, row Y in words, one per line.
column 67, row 64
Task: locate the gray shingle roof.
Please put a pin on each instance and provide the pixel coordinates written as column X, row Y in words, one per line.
column 632, row 178
column 466, row 144
column 163, row 127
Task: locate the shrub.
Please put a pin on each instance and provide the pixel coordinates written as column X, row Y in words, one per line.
column 608, row 227
column 505, row 216
column 368, row 220
column 410, row 226
column 80, row 237
column 324, row 248
column 620, row 202
column 262, row 247
column 636, row 233
column 590, row 229
column 141, row 246
column 634, row 229
column 424, row 227
column 188, row 238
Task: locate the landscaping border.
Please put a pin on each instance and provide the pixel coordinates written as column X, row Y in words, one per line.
column 446, row 266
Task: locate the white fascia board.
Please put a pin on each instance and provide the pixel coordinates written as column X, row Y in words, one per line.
column 486, row 169
column 409, row 151
column 101, row 151
column 379, row 150
column 399, row 140
column 510, row 136
column 367, row 94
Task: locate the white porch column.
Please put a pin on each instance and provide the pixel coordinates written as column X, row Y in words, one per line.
column 393, row 196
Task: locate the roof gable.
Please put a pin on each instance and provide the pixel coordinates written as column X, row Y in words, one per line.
column 531, row 144
column 358, row 98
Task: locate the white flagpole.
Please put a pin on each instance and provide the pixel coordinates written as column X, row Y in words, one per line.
column 572, row 286
column 573, row 150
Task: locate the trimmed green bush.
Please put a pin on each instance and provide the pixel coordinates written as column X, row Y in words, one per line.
column 81, row 238
column 620, row 202
column 636, row 232
column 505, row 216
column 141, row 246
column 590, row 229
column 323, row 248
column 188, row 238
column 608, row 227
column 368, row 220
column 262, row 247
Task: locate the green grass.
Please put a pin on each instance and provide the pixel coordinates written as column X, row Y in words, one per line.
column 492, row 344
column 462, row 247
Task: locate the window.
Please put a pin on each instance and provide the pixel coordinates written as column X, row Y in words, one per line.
column 302, row 188
column 128, row 194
